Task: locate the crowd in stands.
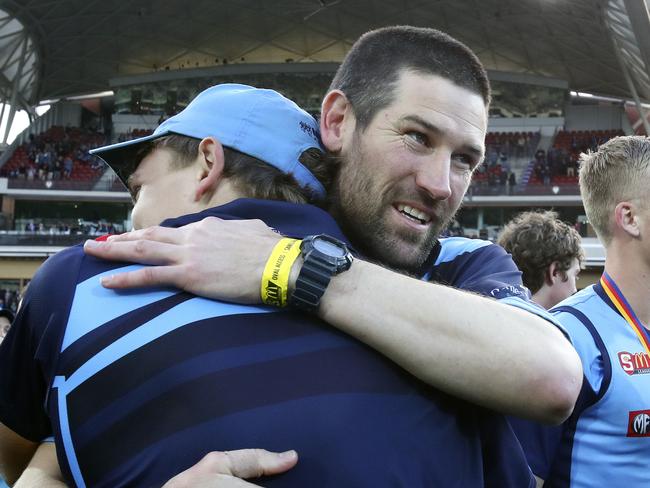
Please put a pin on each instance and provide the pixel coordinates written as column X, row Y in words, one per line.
column 80, row 227
column 57, row 154
column 500, row 149
column 136, row 133
column 559, row 165
column 510, row 144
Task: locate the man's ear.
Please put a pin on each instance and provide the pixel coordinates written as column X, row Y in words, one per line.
column 627, row 218
column 211, row 164
column 555, row 274
column 551, row 274
column 336, row 112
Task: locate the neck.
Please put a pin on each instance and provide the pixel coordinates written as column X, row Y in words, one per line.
column 543, row 299
column 225, row 193
column 631, row 274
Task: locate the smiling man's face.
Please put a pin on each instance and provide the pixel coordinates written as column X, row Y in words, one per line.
column 404, row 176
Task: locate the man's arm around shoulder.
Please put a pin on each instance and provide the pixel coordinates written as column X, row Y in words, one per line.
column 467, row 345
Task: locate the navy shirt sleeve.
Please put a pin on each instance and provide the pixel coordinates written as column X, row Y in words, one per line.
column 540, row 443
column 26, row 360
column 478, row 266
column 484, row 268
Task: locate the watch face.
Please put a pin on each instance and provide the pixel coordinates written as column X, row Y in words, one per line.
column 329, row 248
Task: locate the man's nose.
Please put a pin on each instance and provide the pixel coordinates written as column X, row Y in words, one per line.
column 433, row 177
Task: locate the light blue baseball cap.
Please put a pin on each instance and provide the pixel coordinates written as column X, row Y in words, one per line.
column 255, row 121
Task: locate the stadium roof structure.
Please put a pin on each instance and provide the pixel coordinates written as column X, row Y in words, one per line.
column 72, row 47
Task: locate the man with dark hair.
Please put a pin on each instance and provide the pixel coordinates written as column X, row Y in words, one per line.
column 548, row 253
column 378, row 58
column 403, row 173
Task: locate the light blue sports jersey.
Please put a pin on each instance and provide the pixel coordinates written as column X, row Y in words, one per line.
column 606, row 441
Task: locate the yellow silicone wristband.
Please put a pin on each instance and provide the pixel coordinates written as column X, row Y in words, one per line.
column 275, row 280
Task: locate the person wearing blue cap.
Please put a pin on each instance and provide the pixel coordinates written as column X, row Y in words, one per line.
column 108, row 364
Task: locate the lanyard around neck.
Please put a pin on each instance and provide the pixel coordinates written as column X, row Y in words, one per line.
column 625, row 309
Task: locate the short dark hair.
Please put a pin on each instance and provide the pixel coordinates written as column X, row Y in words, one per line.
column 370, row 71
column 252, row 176
column 537, row 239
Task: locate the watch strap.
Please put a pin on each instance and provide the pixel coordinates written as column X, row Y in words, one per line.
column 311, row 284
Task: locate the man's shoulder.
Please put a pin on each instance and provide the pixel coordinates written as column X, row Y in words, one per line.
column 585, row 315
column 474, row 264
column 453, row 248
column 60, row 264
column 65, row 269
column 585, row 303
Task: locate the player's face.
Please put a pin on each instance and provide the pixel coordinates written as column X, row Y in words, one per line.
column 160, row 192
column 565, row 288
column 404, row 176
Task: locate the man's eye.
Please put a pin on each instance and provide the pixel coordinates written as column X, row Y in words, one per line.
column 418, row 137
column 464, row 160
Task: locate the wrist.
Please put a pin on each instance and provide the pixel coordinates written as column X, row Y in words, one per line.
column 323, row 257
column 293, row 275
column 274, row 286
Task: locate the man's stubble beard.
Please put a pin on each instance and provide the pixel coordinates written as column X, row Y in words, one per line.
column 354, row 206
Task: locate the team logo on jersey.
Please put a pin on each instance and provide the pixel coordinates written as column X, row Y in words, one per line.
column 639, row 424
column 634, row 363
column 510, row 291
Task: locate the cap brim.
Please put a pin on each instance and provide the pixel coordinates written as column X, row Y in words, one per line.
column 122, row 157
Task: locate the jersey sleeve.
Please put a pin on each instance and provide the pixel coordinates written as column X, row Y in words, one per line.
column 478, row 266
column 26, row 354
column 588, row 344
column 486, row 268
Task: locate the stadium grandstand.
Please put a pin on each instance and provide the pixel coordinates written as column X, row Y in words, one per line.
column 566, row 76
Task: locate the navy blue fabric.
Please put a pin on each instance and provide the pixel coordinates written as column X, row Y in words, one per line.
column 226, row 377
column 478, row 266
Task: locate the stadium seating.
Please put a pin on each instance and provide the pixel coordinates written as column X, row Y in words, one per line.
column 558, row 165
column 62, row 143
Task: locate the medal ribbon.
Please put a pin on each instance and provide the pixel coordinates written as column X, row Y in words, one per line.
column 625, row 309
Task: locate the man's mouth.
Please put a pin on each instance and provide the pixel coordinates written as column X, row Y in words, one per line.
column 413, row 214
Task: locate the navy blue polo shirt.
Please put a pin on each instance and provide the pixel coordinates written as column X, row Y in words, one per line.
column 139, row 385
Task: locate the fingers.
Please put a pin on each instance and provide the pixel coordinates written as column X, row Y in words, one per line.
column 169, row 235
column 145, row 277
column 253, row 463
column 248, row 463
column 192, row 479
column 138, row 251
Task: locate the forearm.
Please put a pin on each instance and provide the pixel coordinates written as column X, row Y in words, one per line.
column 464, row 344
column 43, row 470
column 37, row 478
column 15, row 454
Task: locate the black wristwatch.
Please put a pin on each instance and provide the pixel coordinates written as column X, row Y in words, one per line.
column 323, row 257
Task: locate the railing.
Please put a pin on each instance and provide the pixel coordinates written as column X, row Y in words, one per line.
column 479, row 189
column 112, row 184
column 15, row 238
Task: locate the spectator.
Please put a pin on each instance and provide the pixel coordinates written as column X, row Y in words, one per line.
column 548, row 253
column 67, row 166
column 512, row 181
